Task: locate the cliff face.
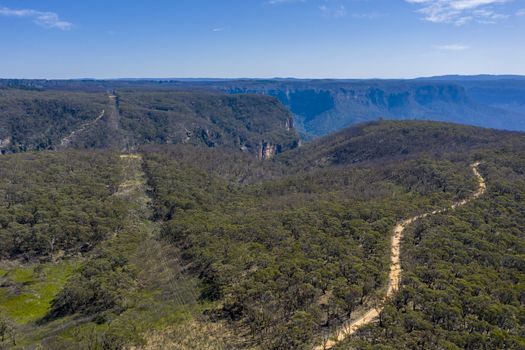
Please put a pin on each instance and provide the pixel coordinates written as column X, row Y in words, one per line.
column 267, row 150
column 288, row 124
column 256, row 124
column 363, row 103
column 324, row 106
column 4, row 143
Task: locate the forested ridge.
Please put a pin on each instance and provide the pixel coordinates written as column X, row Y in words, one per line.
column 32, row 119
column 37, row 120
column 246, row 122
column 197, row 245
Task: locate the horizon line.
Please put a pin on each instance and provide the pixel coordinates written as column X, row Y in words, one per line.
column 268, row 78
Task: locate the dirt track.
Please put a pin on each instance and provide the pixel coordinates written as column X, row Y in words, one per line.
column 68, row 139
column 394, row 277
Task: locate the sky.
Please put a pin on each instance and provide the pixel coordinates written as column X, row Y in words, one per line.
column 260, row 38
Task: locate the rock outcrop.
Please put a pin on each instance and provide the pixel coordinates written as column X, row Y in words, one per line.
column 267, row 150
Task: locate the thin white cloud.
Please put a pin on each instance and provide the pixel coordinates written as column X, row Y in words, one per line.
column 370, row 15
column 333, row 12
column 460, row 12
column 279, row 2
column 216, row 30
column 452, row 47
column 520, row 12
column 43, row 19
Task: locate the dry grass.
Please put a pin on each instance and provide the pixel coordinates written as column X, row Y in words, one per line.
column 193, row 335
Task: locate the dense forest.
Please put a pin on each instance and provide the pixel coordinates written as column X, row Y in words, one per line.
column 246, row 122
column 291, row 256
column 38, row 120
column 32, row 119
column 56, row 203
column 464, row 281
column 177, row 234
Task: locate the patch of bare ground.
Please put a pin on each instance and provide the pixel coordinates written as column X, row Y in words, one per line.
column 193, row 335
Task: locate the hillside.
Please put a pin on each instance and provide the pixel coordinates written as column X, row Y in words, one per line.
column 255, row 124
column 463, row 284
column 310, row 242
column 266, row 255
column 38, row 120
column 391, row 140
column 33, row 119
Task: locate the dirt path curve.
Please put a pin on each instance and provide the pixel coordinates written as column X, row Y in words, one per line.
column 394, row 278
column 67, row 140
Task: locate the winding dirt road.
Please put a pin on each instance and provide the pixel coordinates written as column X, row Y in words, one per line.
column 394, row 277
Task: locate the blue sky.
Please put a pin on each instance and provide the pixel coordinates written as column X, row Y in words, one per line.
column 260, row 38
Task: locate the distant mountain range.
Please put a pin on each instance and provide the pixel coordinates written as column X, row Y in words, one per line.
column 324, row 106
